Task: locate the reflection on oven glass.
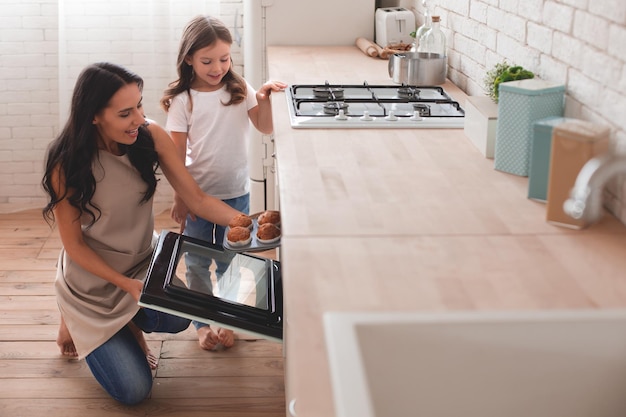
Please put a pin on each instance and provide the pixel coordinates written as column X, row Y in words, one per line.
column 226, row 275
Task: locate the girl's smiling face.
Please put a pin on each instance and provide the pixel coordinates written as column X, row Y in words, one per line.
column 119, row 122
column 210, row 64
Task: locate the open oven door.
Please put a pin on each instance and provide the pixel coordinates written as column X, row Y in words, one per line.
column 248, row 295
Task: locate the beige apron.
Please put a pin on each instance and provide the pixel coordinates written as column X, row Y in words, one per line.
column 94, row 309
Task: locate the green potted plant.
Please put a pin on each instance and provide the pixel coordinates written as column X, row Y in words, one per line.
column 500, row 73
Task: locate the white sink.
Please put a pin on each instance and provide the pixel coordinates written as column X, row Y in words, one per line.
column 535, row 364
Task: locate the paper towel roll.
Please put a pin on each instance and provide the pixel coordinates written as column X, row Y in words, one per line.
column 368, row 47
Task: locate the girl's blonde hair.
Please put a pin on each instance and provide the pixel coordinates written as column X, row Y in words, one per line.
column 200, row 32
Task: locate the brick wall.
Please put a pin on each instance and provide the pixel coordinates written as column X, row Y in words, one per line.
column 579, row 43
column 28, row 96
column 44, row 44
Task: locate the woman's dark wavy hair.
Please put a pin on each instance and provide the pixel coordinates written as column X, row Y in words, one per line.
column 200, row 32
column 76, row 147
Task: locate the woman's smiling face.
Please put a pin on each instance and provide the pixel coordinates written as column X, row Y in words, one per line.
column 119, row 122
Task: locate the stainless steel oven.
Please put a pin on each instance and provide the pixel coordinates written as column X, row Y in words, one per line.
column 248, row 295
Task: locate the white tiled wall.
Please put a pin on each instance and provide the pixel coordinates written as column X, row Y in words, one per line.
column 580, row 43
column 43, row 46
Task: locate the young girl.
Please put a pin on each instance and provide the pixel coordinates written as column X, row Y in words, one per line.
column 100, row 176
column 209, row 110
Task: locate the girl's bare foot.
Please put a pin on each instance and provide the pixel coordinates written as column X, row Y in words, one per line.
column 65, row 342
column 207, row 339
column 226, row 337
column 153, row 361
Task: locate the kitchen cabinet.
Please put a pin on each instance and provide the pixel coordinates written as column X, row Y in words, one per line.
column 404, row 220
column 411, row 220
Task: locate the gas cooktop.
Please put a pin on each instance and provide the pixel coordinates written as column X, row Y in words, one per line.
column 334, row 106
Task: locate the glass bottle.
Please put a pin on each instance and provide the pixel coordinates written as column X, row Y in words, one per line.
column 434, row 40
column 428, row 22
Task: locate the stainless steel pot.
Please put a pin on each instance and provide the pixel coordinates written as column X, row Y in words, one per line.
column 418, row 68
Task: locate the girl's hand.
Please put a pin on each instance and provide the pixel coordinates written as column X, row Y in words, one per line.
column 261, row 115
column 179, row 211
column 266, row 89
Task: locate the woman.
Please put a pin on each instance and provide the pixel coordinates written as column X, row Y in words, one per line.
column 100, row 176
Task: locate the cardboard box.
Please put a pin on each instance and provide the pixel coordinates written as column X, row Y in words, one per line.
column 573, row 144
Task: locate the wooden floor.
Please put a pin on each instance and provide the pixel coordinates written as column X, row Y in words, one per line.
column 35, row 380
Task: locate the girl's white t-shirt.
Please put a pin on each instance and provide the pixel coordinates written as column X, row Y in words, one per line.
column 217, row 139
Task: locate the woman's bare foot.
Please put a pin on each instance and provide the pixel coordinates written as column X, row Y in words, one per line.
column 153, row 361
column 65, row 342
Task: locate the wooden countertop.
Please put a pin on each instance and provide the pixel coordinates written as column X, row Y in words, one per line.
column 411, row 219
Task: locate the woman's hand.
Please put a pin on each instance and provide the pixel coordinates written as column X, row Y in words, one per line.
column 134, row 287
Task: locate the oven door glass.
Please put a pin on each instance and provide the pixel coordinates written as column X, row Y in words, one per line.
column 247, row 295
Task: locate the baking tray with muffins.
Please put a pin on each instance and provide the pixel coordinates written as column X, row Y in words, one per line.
column 256, row 232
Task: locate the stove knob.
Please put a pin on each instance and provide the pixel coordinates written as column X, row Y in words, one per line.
column 341, row 115
column 416, row 116
column 366, row 116
column 392, row 117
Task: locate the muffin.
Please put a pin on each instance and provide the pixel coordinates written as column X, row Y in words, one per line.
column 270, row 217
column 238, row 236
column 241, row 220
column 268, row 233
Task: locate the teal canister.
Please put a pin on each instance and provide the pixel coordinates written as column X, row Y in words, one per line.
column 520, row 104
column 540, row 148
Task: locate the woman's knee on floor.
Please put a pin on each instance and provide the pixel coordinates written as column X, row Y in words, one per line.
column 120, row 367
column 132, row 393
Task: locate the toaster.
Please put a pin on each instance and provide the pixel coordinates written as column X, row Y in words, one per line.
column 394, row 25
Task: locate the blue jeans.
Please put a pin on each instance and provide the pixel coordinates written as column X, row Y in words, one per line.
column 119, row 364
column 198, row 275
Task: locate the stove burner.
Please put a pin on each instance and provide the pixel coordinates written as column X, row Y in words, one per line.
column 408, row 92
column 422, row 109
column 329, row 93
column 329, row 106
column 333, row 107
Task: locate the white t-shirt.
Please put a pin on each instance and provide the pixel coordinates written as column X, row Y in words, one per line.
column 217, row 139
